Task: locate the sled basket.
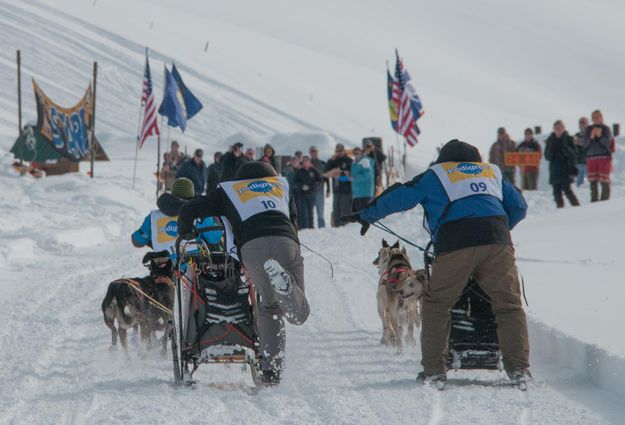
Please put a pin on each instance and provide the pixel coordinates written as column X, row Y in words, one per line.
column 473, row 342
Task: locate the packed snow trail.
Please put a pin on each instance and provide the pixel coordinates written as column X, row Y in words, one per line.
column 59, row 370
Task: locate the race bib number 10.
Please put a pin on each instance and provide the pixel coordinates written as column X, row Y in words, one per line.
column 251, row 197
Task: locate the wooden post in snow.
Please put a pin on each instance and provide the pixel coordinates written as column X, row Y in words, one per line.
column 92, row 139
column 19, row 103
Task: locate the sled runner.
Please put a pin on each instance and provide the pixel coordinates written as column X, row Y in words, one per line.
column 213, row 316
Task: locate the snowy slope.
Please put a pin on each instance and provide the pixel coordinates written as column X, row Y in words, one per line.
column 264, row 77
column 282, row 67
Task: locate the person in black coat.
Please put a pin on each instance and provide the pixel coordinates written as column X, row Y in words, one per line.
column 340, row 164
column 214, row 173
column 195, row 170
column 231, row 161
column 308, row 181
column 560, row 152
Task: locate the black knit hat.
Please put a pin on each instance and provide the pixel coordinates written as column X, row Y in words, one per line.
column 458, row 151
column 254, row 170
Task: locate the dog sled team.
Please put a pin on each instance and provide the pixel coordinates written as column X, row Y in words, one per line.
column 234, row 273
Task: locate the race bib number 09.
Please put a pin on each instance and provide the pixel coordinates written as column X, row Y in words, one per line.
column 462, row 179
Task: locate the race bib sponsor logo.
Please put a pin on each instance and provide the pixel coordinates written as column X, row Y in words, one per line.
column 167, row 229
column 457, row 171
column 247, row 190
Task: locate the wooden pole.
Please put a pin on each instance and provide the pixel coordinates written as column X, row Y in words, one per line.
column 19, row 103
column 95, row 80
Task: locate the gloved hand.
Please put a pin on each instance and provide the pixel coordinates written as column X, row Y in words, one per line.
column 185, row 229
column 355, row 218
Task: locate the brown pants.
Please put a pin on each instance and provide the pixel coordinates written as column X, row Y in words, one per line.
column 529, row 180
column 493, row 266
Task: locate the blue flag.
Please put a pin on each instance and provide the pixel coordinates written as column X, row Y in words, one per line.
column 172, row 105
column 191, row 104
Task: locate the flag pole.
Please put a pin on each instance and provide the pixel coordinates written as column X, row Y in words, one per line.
column 158, row 163
column 134, row 172
column 158, row 148
column 95, row 79
column 19, row 103
column 403, row 160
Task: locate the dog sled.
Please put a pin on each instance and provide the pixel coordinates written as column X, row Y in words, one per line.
column 213, row 315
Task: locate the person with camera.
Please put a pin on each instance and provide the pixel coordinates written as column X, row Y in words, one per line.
column 560, row 152
column 599, row 147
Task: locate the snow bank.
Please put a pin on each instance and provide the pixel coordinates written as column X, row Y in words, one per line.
column 574, row 268
column 589, row 362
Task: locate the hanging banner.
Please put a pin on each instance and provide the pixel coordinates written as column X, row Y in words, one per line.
column 66, row 129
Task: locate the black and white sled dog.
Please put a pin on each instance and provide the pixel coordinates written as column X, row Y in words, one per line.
column 142, row 304
column 399, row 294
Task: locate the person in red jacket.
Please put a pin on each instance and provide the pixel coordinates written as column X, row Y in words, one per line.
column 598, row 143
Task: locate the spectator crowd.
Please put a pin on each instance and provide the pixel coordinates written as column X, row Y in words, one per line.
column 572, row 159
column 354, row 177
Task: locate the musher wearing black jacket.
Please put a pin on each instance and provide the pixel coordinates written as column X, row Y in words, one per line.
column 260, row 216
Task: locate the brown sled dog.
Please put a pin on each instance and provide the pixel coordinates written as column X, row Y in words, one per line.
column 141, row 303
column 399, row 294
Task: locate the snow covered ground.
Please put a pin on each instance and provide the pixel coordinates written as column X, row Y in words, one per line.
column 316, row 76
column 70, row 238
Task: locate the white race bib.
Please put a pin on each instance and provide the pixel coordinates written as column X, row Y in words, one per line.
column 255, row 196
column 462, row 179
column 164, row 231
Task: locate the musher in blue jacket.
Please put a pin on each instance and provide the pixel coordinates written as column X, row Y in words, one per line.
column 160, row 228
column 470, row 209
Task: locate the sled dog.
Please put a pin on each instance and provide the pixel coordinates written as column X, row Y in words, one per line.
column 141, row 303
column 399, row 294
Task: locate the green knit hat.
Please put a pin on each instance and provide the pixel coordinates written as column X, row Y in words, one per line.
column 183, row 188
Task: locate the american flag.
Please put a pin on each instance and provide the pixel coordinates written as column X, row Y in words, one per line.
column 150, row 124
column 409, row 107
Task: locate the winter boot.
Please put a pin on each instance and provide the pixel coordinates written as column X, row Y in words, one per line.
column 270, row 378
column 572, row 198
column 594, row 192
column 605, row 191
column 559, row 202
column 437, row 379
column 280, row 280
column 519, row 376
